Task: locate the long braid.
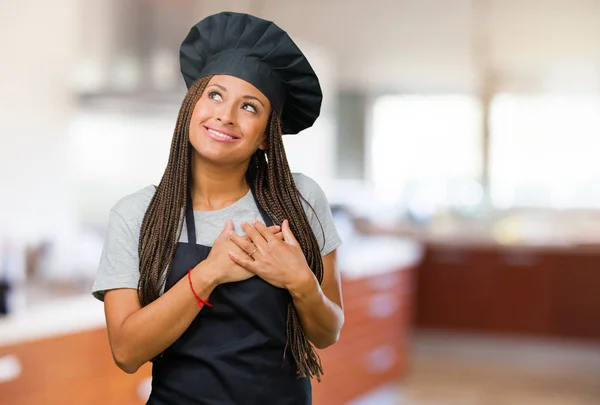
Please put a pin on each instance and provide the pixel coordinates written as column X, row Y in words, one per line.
column 161, row 227
column 276, row 192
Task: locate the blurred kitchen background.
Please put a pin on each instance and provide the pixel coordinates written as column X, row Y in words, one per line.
column 458, row 145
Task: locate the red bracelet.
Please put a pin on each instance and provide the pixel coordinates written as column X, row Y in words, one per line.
column 200, row 300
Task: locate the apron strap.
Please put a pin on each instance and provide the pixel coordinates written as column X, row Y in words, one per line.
column 263, row 213
column 190, row 223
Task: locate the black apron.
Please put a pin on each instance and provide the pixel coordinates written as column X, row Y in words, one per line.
column 232, row 353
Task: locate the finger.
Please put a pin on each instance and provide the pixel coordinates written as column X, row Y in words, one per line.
column 274, row 228
column 288, row 236
column 279, row 235
column 245, row 245
column 264, row 231
column 244, row 261
column 256, row 236
column 228, row 227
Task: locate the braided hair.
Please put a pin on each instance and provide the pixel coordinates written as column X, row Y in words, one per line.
column 271, row 177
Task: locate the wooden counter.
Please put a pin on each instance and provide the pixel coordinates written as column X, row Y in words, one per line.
column 372, row 350
column 59, row 353
column 73, row 369
column 78, row 368
column 533, row 290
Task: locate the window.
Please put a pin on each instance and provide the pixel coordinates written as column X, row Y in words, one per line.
column 545, row 151
column 426, row 151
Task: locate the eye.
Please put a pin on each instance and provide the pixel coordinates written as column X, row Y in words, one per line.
column 250, row 107
column 215, row 95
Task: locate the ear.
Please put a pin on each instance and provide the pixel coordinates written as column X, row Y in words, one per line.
column 264, row 145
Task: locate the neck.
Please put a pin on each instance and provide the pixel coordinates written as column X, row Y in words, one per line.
column 217, row 186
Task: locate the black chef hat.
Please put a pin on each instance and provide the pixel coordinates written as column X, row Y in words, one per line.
column 261, row 53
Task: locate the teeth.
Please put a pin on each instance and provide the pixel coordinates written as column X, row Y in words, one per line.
column 220, row 135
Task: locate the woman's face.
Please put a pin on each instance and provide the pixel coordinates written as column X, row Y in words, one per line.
column 229, row 121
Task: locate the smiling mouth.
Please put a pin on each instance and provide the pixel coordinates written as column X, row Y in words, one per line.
column 220, row 134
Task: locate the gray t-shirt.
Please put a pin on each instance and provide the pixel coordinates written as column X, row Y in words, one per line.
column 119, row 262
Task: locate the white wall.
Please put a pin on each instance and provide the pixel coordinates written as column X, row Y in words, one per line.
column 115, row 154
column 37, row 47
column 407, row 45
column 386, row 43
column 313, row 151
column 428, row 45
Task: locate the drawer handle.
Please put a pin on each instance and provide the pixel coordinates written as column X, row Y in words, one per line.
column 383, row 305
column 10, row 368
column 144, row 389
column 521, row 259
column 385, row 282
column 450, row 257
column 381, row 359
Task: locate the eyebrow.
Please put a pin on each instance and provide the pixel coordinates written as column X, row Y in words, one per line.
column 247, row 96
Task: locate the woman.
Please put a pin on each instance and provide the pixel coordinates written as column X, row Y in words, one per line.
column 224, row 275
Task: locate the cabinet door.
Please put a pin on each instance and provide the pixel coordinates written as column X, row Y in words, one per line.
column 371, row 351
column 72, row 369
column 577, row 295
column 354, row 367
column 452, row 289
column 520, row 299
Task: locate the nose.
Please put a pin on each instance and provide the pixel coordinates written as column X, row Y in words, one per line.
column 226, row 114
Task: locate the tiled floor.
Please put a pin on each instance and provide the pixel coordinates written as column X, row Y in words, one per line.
column 458, row 369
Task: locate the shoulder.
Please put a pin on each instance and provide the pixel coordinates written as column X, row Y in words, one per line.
column 119, row 263
column 132, row 207
column 308, row 187
column 318, row 212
